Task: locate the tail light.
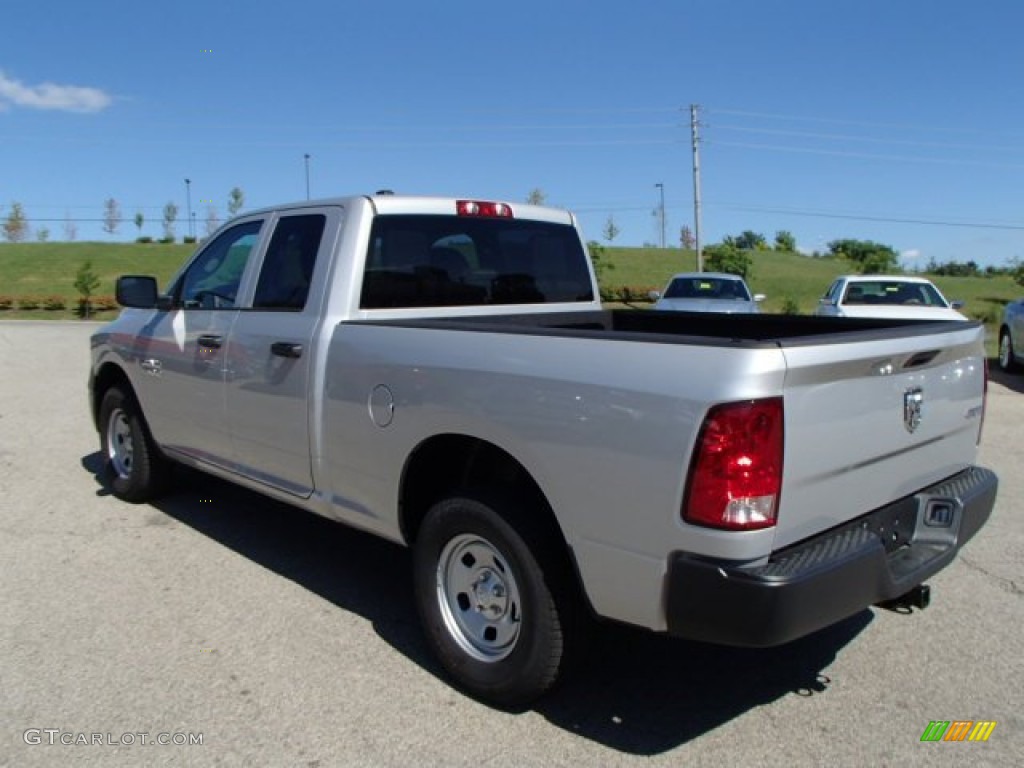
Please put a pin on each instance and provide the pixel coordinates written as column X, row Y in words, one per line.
column 483, row 209
column 736, row 473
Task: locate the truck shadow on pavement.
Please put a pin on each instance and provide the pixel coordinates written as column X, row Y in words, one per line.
column 1013, row 381
column 635, row 692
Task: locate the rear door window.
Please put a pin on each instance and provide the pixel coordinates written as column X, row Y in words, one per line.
column 288, row 266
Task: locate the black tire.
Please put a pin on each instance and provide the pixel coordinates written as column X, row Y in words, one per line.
column 133, row 466
column 495, row 597
column 1006, row 360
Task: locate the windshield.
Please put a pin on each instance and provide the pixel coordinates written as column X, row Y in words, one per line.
column 894, row 293
column 707, row 288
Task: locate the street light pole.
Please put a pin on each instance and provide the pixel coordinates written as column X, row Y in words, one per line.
column 306, row 156
column 661, row 210
column 188, row 204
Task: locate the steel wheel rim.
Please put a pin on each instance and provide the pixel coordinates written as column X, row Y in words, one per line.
column 1004, row 351
column 120, row 446
column 479, row 598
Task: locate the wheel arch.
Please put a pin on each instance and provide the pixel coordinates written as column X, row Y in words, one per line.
column 109, row 375
column 447, row 463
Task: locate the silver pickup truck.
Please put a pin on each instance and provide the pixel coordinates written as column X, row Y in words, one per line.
column 440, row 372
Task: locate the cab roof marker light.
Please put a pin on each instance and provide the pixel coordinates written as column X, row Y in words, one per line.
column 483, row 209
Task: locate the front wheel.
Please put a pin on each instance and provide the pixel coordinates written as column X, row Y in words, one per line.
column 1006, row 360
column 493, row 599
column 134, row 467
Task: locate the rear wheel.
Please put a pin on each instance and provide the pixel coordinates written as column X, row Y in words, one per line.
column 494, row 600
column 1006, row 360
column 134, row 467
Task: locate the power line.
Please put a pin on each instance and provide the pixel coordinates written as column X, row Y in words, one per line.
column 967, row 224
column 866, row 155
column 866, row 139
column 843, row 121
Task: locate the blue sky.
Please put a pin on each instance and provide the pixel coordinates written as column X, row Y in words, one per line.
column 900, row 122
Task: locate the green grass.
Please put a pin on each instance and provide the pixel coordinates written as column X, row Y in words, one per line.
column 800, row 279
column 48, row 269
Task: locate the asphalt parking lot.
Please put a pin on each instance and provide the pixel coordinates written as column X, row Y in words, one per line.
column 285, row 640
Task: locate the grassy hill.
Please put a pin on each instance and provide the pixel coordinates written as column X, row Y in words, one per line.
column 793, row 278
column 788, row 279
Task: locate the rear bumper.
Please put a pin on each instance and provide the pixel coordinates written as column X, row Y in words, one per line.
column 827, row 578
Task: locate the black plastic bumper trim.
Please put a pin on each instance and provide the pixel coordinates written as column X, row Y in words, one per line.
column 832, row 576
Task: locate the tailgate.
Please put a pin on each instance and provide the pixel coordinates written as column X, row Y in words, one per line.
column 870, row 421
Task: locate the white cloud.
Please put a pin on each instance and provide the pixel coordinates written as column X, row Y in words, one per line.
column 69, row 98
column 911, row 255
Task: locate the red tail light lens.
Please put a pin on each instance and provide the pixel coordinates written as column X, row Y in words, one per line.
column 736, row 473
column 483, row 209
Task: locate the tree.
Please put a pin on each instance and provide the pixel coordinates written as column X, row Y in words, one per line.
column 871, row 258
column 139, row 221
column 749, row 241
column 727, row 257
column 86, row 283
column 610, row 230
column 600, row 265
column 687, row 239
column 784, row 241
column 170, row 215
column 536, row 197
column 16, row 225
column 111, row 216
column 1017, row 271
column 43, row 234
column 212, row 220
column 236, row 199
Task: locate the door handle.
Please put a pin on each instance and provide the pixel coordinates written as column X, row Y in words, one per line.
column 210, row 342
column 286, row 349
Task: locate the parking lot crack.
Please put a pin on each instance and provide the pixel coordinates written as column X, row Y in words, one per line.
column 1007, row 585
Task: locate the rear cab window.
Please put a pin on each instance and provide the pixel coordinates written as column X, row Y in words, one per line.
column 425, row 260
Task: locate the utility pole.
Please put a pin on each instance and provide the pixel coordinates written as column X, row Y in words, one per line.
column 306, row 156
column 188, row 205
column 694, row 124
column 661, row 212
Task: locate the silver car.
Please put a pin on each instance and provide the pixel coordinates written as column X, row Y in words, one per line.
column 707, row 292
column 1011, row 337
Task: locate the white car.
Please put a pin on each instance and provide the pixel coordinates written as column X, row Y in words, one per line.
column 888, row 296
column 707, row 292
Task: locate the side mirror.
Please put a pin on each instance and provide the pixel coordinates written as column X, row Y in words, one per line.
column 957, row 304
column 136, row 291
column 759, row 297
column 654, row 295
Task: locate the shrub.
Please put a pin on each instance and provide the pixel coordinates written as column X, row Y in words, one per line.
column 166, row 240
column 627, row 294
column 144, row 239
column 29, row 302
column 188, row 239
column 104, row 303
column 790, row 306
column 990, row 315
column 6, row 302
column 54, row 303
